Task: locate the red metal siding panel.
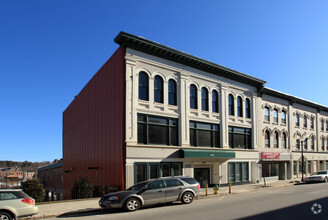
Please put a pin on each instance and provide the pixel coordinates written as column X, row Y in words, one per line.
column 94, row 129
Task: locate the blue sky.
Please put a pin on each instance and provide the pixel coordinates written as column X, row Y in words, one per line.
column 49, row 49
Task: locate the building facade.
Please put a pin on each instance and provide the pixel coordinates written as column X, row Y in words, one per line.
column 154, row 111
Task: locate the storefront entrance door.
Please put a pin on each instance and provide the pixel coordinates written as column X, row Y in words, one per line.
column 202, row 175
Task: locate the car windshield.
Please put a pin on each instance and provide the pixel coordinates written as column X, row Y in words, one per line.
column 319, row 173
column 138, row 186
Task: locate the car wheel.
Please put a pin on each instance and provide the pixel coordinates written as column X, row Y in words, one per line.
column 326, row 179
column 5, row 216
column 187, row 198
column 132, row 204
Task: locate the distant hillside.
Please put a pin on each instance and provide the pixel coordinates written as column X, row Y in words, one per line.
column 26, row 165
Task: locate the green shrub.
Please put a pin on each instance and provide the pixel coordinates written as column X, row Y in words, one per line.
column 82, row 189
column 34, row 189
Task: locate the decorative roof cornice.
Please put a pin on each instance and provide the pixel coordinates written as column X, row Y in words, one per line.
column 141, row 44
column 293, row 99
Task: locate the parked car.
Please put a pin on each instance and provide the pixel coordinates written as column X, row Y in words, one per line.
column 14, row 203
column 320, row 176
column 150, row 192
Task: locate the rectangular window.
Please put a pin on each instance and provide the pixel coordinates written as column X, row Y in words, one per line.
column 240, row 138
column 204, row 134
column 275, row 116
column 144, row 171
column 283, row 117
column 157, row 130
column 312, row 122
column 238, row 172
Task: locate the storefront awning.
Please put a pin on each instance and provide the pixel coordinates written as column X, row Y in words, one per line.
column 193, row 153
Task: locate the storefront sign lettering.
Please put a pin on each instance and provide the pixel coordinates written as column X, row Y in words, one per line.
column 270, row 155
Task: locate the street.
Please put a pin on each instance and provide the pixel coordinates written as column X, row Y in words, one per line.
column 300, row 201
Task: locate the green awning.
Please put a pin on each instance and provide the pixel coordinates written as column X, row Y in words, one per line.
column 193, row 153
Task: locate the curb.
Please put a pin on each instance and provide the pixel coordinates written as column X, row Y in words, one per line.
column 87, row 210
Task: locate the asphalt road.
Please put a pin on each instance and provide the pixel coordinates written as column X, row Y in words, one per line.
column 297, row 202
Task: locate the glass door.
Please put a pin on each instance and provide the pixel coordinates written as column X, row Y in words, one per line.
column 202, row 175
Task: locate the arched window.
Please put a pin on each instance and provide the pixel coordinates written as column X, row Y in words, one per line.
column 283, row 117
column 305, row 121
column 239, row 106
column 143, row 86
column 283, row 141
column 305, row 144
column 312, row 122
column 172, row 92
column 248, row 108
column 215, row 101
column 266, row 114
column 312, row 143
column 322, row 125
column 267, row 139
column 158, row 89
column 297, row 120
column 323, row 144
column 204, row 99
column 276, row 140
column 275, row 115
column 193, row 97
column 231, row 105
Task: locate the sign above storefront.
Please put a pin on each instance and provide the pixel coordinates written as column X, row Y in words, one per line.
column 270, row 155
column 275, row 156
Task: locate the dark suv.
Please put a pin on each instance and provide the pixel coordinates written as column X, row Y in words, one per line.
column 154, row 191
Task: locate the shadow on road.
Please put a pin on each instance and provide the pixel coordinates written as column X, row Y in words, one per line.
column 101, row 211
column 315, row 209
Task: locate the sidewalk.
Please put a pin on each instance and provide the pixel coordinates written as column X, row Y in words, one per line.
column 53, row 209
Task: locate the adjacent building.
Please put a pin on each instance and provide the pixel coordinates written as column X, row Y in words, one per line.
column 153, row 111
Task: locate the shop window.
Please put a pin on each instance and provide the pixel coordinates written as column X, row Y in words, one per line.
column 240, row 137
column 215, row 101
column 239, row 106
column 204, row 134
column 145, row 171
column 193, row 97
column 238, row 172
column 157, row 130
column 270, row 169
column 309, row 167
column 158, row 89
column 143, row 86
column 172, row 92
column 231, row 105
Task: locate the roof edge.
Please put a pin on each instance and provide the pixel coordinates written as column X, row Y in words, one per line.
column 144, row 45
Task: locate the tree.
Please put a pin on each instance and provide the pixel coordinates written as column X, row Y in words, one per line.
column 34, row 189
column 82, row 189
